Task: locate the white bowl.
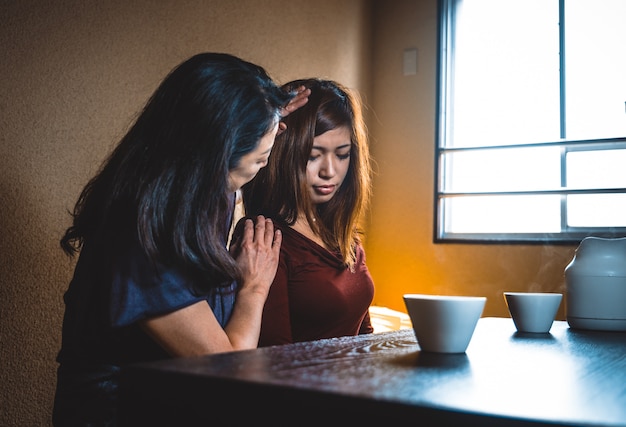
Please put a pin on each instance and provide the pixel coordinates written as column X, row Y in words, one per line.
column 444, row 323
column 533, row 312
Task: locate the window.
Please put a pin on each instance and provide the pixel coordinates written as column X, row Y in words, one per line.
column 531, row 133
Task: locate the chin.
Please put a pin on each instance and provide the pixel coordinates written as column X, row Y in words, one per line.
column 320, row 200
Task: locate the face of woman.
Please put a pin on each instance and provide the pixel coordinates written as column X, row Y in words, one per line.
column 251, row 163
column 328, row 164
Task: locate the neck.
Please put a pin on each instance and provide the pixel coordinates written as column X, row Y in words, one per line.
column 303, row 227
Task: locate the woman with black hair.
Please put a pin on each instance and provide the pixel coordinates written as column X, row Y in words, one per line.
column 154, row 278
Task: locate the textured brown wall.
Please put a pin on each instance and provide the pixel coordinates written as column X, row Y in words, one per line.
column 73, row 74
column 400, row 251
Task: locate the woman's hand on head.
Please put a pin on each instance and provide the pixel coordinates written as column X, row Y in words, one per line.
column 301, row 98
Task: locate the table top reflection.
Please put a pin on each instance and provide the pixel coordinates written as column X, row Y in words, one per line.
column 567, row 377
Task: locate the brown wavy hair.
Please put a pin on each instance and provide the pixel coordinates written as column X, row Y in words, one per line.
column 279, row 190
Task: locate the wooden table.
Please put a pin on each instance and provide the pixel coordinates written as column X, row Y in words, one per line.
column 568, row 377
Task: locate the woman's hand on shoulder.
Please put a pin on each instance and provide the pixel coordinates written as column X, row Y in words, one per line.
column 194, row 330
column 257, row 249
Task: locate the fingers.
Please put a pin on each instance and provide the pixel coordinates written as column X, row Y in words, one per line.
column 248, row 231
column 278, row 239
column 264, row 229
column 269, row 231
column 273, row 237
column 260, row 229
column 264, row 232
column 260, row 252
column 256, row 234
column 301, row 98
column 282, row 126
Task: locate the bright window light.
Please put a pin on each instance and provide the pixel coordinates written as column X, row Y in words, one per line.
column 532, row 120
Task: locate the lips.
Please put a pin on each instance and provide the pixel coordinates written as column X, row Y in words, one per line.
column 324, row 190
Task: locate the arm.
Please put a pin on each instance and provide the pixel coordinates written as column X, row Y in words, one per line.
column 276, row 325
column 194, row 330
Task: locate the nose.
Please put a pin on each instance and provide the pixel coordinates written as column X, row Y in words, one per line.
column 327, row 169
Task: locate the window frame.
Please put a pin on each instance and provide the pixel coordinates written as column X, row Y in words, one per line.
column 567, row 234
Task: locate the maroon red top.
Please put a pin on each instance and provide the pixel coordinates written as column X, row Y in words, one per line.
column 314, row 295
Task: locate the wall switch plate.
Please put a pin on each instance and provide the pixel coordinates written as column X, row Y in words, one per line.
column 410, row 62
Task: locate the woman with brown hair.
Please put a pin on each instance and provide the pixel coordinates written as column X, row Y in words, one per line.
column 316, row 188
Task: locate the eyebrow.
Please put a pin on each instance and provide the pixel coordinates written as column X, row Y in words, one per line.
column 317, row 147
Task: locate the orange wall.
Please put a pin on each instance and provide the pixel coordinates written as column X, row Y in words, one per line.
column 400, row 250
column 73, row 74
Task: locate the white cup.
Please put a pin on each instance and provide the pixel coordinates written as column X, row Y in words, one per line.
column 444, row 323
column 533, row 311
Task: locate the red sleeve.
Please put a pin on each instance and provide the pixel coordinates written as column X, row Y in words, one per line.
column 276, row 323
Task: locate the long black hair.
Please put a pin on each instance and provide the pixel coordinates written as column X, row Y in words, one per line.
column 166, row 183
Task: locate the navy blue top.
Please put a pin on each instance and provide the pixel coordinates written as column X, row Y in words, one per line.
column 107, row 296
